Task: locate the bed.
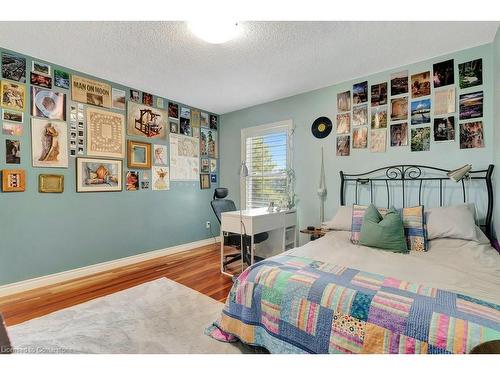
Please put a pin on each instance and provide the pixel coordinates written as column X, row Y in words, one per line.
column 333, row 296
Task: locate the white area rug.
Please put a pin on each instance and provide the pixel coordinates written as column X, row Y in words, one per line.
column 161, row 316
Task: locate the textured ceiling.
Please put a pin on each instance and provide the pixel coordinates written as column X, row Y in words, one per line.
column 268, row 61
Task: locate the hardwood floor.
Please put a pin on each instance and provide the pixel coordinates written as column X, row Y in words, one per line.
column 197, row 269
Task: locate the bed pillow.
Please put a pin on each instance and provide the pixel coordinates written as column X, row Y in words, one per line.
column 451, row 222
column 413, row 222
column 341, row 221
column 385, row 232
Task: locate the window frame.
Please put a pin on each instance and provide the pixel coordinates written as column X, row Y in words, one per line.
column 262, row 130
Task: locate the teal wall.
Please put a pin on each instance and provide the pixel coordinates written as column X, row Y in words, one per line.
column 304, row 108
column 42, row 234
column 496, row 123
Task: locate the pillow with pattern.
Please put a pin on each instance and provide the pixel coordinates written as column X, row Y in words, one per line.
column 413, row 222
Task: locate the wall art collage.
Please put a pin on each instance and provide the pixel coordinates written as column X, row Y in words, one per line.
column 410, row 109
column 86, row 121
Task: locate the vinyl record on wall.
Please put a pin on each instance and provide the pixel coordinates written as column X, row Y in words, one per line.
column 321, row 127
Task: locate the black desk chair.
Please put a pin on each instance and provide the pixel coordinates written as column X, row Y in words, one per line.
column 220, row 204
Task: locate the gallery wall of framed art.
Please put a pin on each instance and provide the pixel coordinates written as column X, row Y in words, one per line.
column 367, row 112
column 66, row 132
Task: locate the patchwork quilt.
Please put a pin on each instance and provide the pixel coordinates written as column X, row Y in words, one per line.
column 291, row 304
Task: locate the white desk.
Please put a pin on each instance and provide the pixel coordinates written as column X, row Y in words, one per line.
column 256, row 221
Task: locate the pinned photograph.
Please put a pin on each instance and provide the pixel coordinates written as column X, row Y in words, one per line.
column 343, row 123
column 379, row 94
column 160, row 103
column 204, row 181
column 471, row 73
column 205, row 166
column 213, row 178
column 147, row 99
column 49, row 143
column 213, row 122
column 13, row 116
column 399, row 83
column 213, row 165
column 471, row 105
column 174, row 127
column 12, row 151
column 195, row 118
column 40, row 68
column 41, row 80
column 13, row 95
column 135, row 96
column 444, row 73
column 204, row 120
column 185, row 113
column 421, row 111
column 48, row 104
column 10, row 128
column 208, row 143
column 421, row 139
column 360, row 115
column 444, row 101
column 343, row 145
column 132, row 181
column 118, row 98
column 420, row 84
column 185, row 127
column 13, row 67
column 173, row 110
column 399, row 134
column 378, row 140
column 399, row 109
column 379, row 118
column 61, row 79
column 471, row 135
column 344, row 101
column 161, row 178
column 360, row 137
column 160, row 155
column 444, row 129
column 360, row 93
column 144, row 185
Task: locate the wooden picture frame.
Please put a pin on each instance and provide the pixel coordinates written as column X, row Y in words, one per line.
column 204, row 181
column 13, row 180
column 50, row 183
column 138, row 155
column 98, row 175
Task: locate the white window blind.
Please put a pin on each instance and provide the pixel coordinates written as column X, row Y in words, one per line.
column 267, row 158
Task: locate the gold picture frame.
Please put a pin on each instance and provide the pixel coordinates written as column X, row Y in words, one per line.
column 138, row 155
column 50, row 183
column 13, row 180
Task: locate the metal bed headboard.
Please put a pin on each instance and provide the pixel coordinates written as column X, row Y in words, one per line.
column 417, row 173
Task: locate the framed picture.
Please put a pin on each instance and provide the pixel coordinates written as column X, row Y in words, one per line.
column 98, row 175
column 12, row 116
column 118, row 98
column 195, row 118
column 147, row 99
column 40, row 68
column 471, row 73
column 204, row 119
column 105, row 133
column 205, row 166
column 173, row 110
column 213, row 122
column 420, row 84
column 139, row 154
column 161, row 178
column 50, row 183
column 160, row 155
column 12, row 151
column 13, row 67
column 13, row 96
column 399, row 83
column 41, row 80
column 146, row 121
column 61, row 79
column 89, row 91
column 213, row 178
column 134, row 96
column 471, row 105
column 49, row 143
column 132, row 181
column 13, row 180
column 48, row 104
column 204, row 181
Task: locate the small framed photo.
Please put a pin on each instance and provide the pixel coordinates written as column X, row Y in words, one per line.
column 213, row 178
column 40, row 68
column 139, row 155
column 13, row 180
column 204, row 181
column 50, row 183
column 98, row 175
column 12, row 116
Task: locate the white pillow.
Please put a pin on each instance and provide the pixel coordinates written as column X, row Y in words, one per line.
column 341, row 221
column 451, row 222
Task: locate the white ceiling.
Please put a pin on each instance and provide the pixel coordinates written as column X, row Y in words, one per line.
column 268, row 61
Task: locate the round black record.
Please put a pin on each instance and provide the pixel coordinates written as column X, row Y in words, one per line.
column 321, row 127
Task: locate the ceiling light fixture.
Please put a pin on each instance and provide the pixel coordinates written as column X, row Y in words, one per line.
column 214, row 31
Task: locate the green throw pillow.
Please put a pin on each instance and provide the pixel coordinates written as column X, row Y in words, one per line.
column 383, row 232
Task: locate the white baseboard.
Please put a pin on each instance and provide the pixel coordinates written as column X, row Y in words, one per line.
column 43, row 281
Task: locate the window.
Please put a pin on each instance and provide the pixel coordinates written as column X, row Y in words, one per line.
column 266, row 151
